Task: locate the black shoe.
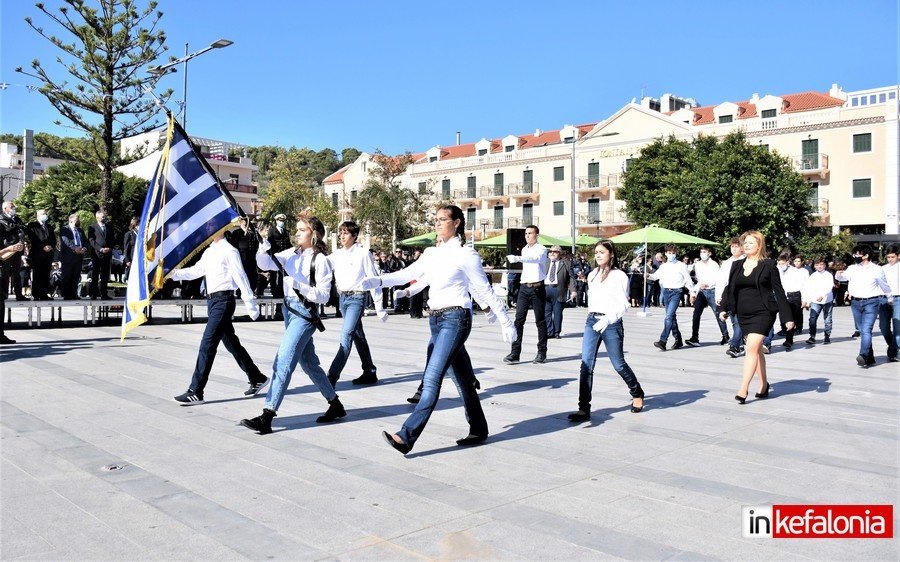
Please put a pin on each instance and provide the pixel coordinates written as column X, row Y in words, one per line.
column 335, row 411
column 870, row 361
column 365, row 378
column 511, row 358
column 780, row 333
column 414, row 399
column 893, row 359
column 476, row 383
column 5, row 340
column 660, row 345
column 827, row 339
column 788, row 345
column 637, row 409
column 256, row 387
column 765, row 393
column 811, row 341
column 678, row 344
column 855, row 334
column 861, row 360
column 579, row 416
column 471, row 439
column 725, row 339
column 540, row 358
column 189, row 398
column 693, row 342
column 740, row 399
column 402, row 447
column 261, row 424
column 733, row 352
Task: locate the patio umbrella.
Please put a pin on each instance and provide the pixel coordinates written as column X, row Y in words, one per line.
column 421, row 240
column 655, row 234
column 499, row 241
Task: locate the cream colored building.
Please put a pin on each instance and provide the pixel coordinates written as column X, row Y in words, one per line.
column 844, row 143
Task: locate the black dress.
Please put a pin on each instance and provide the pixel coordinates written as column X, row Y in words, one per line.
column 753, row 316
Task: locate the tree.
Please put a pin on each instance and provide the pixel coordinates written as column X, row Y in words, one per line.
column 72, row 187
column 107, row 51
column 820, row 244
column 717, row 189
column 349, row 156
column 290, row 186
column 383, row 205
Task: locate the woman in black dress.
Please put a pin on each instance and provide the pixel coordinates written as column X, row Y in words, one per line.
column 755, row 294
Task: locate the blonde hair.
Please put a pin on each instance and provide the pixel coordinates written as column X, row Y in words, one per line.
column 760, row 239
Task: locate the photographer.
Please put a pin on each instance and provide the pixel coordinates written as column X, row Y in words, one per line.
column 13, row 226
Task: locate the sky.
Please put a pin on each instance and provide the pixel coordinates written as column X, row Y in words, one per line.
column 398, row 75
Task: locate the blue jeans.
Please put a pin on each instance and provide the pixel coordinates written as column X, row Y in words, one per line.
column 814, row 310
column 737, row 337
column 865, row 313
column 296, row 346
column 670, row 298
column 553, row 311
column 889, row 324
column 219, row 310
column 449, row 331
column 706, row 297
column 613, row 337
column 352, row 308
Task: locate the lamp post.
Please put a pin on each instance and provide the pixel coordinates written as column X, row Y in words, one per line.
column 170, row 67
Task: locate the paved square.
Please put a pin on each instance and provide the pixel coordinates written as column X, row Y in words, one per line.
column 98, row 462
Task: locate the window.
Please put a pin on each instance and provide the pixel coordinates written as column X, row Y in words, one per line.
column 862, row 188
column 423, row 188
column 508, row 148
column 470, row 216
column 809, row 150
column 482, row 151
column 528, row 181
column 862, row 142
column 628, row 163
column 594, row 174
column 854, row 102
column 527, row 214
column 433, row 159
column 768, row 113
column 559, row 208
column 881, row 98
column 725, row 119
column 593, row 211
column 233, row 177
column 498, row 217
column 559, row 173
column 498, row 184
column 353, row 197
column 334, row 200
column 445, row 189
column 470, row 186
column 814, row 195
column 364, row 167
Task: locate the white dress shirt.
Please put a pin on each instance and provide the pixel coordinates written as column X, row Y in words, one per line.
column 793, row 278
column 296, row 273
column 452, row 271
column 866, row 281
column 351, row 267
column 892, row 276
column 534, row 264
column 222, row 267
column 722, row 282
column 673, row 275
column 609, row 296
column 818, row 285
column 707, row 273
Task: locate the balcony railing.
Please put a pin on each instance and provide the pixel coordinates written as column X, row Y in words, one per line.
column 821, row 207
column 604, row 217
column 604, row 181
column 523, row 189
column 467, row 193
column 811, row 163
column 522, row 222
column 240, row 187
column 488, row 191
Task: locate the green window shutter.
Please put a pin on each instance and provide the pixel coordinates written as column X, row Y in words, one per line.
column 559, row 173
column 445, row 189
column 769, row 113
column 862, row 188
column 559, row 208
column 862, row 142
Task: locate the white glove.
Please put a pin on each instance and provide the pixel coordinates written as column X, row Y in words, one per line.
column 513, row 259
column 601, row 325
column 509, row 332
column 252, row 309
column 264, row 247
column 490, row 317
column 382, row 315
column 370, row 283
column 401, row 294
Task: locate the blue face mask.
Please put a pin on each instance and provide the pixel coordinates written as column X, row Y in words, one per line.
column 672, row 257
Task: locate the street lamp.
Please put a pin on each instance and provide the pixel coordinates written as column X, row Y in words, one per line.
column 170, row 67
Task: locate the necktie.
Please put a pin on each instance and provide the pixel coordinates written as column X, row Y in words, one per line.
column 77, row 239
column 553, row 272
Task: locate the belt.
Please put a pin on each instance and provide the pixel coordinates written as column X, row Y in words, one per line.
column 448, row 309
column 597, row 313
column 220, row 294
column 352, row 293
column 867, row 298
column 792, row 293
column 533, row 285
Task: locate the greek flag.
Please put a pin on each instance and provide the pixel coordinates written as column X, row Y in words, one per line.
column 186, row 206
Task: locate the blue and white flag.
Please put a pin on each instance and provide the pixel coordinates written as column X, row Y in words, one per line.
column 186, row 206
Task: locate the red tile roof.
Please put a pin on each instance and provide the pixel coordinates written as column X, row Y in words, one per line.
column 804, row 101
column 336, row 177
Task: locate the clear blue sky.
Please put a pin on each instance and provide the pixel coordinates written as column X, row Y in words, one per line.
column 408, row 75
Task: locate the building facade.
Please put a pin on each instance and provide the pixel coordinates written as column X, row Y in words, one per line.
column 844, row 143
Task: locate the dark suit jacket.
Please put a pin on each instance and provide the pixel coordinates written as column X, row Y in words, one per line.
column 67, row 245
column 128, row 244
column 564, row 279
column 770, row 291
column 39, row 236
column 99, row 239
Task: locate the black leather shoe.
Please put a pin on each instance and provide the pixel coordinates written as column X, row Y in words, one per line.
column 811, row 341
column 765, row 393
column 637, row 409
column 471, row 439
column 335, row 411
column 740, row 399
column 725, row 339
column 861, row 360
column 511, row 358
column 579, row 416
column 678, row 344
column 5, row 340
column 402, row 447
column 414, row 399
column 366, row 378
column 261, row 424
column 660, row 345
column 540, row 358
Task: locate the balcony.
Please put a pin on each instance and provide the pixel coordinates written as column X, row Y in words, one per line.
column 240, row 187
column 598, row 184
column 494, row 158
column 811, row 164
column 491, row 227
column 822, row 214
column 494, row 194
column 522, row 222
column 526, row 191
column 468, row 196
column 606, row 217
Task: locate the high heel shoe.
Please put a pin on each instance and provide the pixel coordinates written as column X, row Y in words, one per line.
column 765, row 393
column 636, row 409
column 740, row 399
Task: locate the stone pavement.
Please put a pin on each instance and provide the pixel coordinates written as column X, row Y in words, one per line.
column 99, row 463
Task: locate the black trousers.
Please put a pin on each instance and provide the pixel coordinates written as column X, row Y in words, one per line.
column 534, row 298
column 100, row 276
column 70, row 278
column 796, row 305
column 40, row 277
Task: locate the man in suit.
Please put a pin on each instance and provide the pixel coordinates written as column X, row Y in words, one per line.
column 280, row 240
column 129, row 241
column 560, row 287
column 72, row 248
column 42, row 241
column 9, row 222
column 101, row 241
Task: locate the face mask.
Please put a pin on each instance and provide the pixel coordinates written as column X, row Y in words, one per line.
column 42, row 218
column 280, row 224
column 103, row 220
column 671, row 257
column 12, row 212
column 704, row 256
column 783, row 267
column 857, row 259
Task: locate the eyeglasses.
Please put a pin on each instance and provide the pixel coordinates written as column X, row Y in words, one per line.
column 442, row 219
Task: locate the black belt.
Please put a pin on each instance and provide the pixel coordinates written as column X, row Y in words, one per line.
column 220, row 294
column 448, row 309
column 792, row 293
column 867, row 298
column 533, row 285
column 352, row 293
